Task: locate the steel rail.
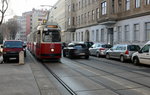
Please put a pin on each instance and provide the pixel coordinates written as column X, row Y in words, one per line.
column 60, row 81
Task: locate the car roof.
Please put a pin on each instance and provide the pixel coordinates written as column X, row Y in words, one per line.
column 125, row 44
column 147, row 43
column 74, row 43
column 12, row 40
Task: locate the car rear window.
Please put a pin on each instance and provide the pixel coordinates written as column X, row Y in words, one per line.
column 79, row 46
column 133, row 48
column 106, row 46
column 13, row 44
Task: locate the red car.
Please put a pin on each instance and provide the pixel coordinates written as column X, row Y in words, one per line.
column 11, row 49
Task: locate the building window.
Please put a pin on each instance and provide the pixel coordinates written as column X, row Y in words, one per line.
column 93, row 16
column 97, row 13
column 82, row 19
column 89, row 2
column 76, row 20
column 76, row 36
column 73, row 21
column 79, row 5
column 136, row 32
column 81, row 36
column 102, row 35
column 97, row 35
column 88, row 16
column 93, row 36
column 137, row 3
column 85, row 1
column 82, row 3
column 79, row 20
column 147, row 2
column 127, row 33
column 147, row 29
column 73, row 37
column 69, row 21
column 69, row 8
column 103, row 8
column 127, row 4
column 119, row 33
column 73, row 7
column 113, row 6
column 85, row 18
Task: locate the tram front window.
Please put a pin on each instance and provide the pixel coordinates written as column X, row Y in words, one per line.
column 51, row 36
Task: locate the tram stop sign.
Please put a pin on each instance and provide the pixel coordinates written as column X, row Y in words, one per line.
column 21, row 57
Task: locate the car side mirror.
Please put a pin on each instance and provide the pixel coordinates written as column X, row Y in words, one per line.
column 111, row 49
column 2, row 46
column 140, row 51
column 24, row 46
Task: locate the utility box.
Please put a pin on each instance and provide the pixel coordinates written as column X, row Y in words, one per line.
column 21, row 57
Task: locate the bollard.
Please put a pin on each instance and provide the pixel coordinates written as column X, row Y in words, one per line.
column 21, row 58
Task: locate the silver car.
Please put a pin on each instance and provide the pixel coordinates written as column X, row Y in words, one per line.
column 122, row 51
column 99, row 49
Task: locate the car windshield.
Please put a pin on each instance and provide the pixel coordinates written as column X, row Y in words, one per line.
column 133, row 48
column 51, row 36
column 79, row 46
column 13, row 44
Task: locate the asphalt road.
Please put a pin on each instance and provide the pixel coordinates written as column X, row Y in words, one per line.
column 99, row 76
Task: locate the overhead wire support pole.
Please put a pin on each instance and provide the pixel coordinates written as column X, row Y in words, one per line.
column 49, row 9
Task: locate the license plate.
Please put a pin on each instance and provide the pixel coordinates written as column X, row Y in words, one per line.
column 13, row 58
column 82, row 54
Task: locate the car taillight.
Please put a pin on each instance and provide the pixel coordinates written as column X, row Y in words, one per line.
column 126, row 52
column 102, row 49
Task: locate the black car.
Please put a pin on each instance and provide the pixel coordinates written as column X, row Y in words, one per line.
column 88, row 44
column 76, row 50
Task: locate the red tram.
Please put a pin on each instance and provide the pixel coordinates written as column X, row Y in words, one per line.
column 45, row 42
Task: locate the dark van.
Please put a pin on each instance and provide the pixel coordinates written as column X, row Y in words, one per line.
column 11, row 49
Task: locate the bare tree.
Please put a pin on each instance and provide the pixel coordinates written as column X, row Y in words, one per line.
column 13, row 27
column 3, row 9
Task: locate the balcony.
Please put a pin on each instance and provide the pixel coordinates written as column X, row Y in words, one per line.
column 107, row 19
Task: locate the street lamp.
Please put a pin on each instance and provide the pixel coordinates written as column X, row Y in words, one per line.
column 49, row 10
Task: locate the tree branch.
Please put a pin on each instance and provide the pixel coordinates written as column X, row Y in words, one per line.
column 3, row 9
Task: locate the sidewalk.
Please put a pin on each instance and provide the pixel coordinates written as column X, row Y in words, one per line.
column 27, row 79
column 17, row 80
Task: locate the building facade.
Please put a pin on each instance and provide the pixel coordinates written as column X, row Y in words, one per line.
column 108, row 21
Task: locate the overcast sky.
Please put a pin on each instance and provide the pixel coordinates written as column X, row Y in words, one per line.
column 17, row 7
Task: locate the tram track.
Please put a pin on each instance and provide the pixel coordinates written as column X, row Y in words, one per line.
column 67, row 88
column 60, row 81
column 84, row 63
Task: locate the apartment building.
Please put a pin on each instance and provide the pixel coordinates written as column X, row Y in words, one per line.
column 108, row 21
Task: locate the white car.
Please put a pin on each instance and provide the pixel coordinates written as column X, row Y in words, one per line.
column 142, row 56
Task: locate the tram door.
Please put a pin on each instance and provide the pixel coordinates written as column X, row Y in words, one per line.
column 110, row 35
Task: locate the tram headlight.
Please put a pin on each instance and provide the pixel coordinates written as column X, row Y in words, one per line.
column 52, row 50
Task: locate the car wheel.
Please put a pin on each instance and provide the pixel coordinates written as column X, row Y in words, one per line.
column 122, row 58
column 135, row 61
column 87, row 57
column 107, row 56
column 4, row 60
column 97, row 54
column 64, row 54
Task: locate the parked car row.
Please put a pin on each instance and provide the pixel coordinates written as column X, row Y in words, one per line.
column 122, row 52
